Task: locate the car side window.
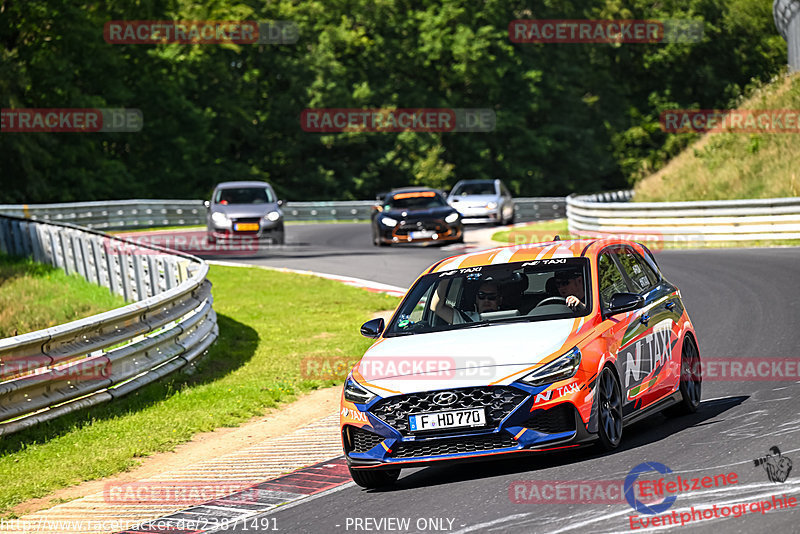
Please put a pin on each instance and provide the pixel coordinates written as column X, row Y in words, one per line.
column 610, row 278
column 639, row 273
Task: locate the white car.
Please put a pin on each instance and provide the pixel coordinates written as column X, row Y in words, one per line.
column 482, row 201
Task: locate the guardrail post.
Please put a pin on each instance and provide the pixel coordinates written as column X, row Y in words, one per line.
column 4, row 243
column 124, row 275
column 138, row 273
column 169, row 273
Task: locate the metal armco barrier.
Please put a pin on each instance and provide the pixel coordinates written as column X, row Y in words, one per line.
column 50, row 372
column 130, row 214
column 695, row 221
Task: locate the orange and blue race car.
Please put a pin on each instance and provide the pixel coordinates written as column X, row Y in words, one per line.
column 519, row 349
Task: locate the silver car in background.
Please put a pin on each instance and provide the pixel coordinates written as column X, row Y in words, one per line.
column 245, row 209
column 482, row 201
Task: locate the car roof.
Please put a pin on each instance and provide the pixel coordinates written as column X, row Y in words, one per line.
column 230, row 185
column 478, row 181
column 575, row 248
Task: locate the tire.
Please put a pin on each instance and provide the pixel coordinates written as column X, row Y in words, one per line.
column 376, row 240
column 691, row 386
column 371, row 479
column 609, row 410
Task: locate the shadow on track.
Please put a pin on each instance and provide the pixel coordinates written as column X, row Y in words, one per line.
column 650, row 430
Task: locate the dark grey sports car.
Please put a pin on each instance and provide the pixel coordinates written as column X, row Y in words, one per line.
column 245, row 209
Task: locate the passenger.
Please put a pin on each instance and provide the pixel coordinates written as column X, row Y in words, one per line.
column 487, row 299
column 570, row 286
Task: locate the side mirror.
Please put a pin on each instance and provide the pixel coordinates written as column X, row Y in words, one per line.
column 280, row 203
column 622, row 302
column 373, row 329
column 207, row 204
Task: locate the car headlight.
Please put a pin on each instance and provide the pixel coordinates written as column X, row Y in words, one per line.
column 219, row 217
column 388, row 221
column 491, row 205
column 453, row 217
column 561, row 368
column 353, row 392
column 273, row 216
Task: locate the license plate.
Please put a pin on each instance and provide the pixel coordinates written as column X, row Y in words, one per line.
column 424, row 234
column 246, row 227
column 452, row 419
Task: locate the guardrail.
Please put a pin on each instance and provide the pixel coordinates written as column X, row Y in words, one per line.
column 694, row 221
column 171, row 322
column 131, row 214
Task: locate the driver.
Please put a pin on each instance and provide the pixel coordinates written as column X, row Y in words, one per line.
column 488, row 298
column 570, row 286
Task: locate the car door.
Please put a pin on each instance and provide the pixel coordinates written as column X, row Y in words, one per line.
column 648, row 345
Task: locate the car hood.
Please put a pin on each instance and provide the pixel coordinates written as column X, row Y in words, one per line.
column 461, row 358
column 473, row 200
column 235, row 211
column 414, row 215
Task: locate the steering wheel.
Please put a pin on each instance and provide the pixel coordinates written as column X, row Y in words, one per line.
column 552, row 300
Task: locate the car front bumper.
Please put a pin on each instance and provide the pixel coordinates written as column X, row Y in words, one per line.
column 386, row 443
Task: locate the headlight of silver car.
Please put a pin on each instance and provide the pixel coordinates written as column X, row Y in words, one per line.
column 453, row 217
column 219, row 218
column 388, row 221
column 491, row 205
column 353, row 392
column 561, row 368
column 273, row 216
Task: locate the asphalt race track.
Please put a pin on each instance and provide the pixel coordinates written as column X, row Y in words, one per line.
column 744, row 303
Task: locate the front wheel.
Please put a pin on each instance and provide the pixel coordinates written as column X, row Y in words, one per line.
column 691, row 381
column 609, row 411
column 371, row 479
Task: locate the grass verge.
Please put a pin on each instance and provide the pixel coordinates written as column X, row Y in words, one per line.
column 544, row 231
column 35, row 296
column 730, row 166
column 270, row 322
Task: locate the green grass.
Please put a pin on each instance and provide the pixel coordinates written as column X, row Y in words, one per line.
column 729, row 166
column 35, row 296
column 269, row 323
column 544, row 231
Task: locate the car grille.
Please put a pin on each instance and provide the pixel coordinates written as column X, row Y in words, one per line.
column 435, row 447
column 499, row 401
column 362, row 440
column 432, row 226
column 559, row 419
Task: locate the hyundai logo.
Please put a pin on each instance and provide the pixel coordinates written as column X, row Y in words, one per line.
column 445, row 398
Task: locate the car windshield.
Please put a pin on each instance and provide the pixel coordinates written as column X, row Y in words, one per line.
column 244, row 195
column 475, row 188
column 494, row 294
column 418, row 200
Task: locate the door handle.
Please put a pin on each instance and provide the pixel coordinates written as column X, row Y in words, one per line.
column 669, row 305
column 644, row 319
